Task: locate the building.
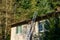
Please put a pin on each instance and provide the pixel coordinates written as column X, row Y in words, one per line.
column 20, row 30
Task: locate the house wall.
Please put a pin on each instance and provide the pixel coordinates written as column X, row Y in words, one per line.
column 36, row 28
column 25, row 30
column 22, row 36
column 15, row 36
column 13, row 33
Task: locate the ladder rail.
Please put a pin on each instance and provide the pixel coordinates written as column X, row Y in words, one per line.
column 32, row 26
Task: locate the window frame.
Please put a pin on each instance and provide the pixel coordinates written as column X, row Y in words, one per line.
column 19, row 29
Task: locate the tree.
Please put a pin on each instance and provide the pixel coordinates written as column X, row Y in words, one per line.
column 54, row 29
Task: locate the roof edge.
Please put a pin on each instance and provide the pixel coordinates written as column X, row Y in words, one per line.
column 52, row 14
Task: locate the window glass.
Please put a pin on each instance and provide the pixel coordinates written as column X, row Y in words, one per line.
column 19, row 29
column 40, row 26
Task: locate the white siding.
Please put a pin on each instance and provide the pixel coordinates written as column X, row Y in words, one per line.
column 22, row 36
column 13, row 33
column 15, row 36
column 19, row 37
column 36, row 28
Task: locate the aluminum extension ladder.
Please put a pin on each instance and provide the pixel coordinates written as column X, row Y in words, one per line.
column 30, row 32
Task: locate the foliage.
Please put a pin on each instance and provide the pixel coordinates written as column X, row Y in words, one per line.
column 28, row 7
column 54, row 30
column 24, row 9
column 8, row 37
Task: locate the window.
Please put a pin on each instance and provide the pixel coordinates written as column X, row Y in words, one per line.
column 40, row 26
column 43, row 25
column 18, row 29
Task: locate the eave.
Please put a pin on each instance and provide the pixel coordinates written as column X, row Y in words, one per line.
column 46, row 16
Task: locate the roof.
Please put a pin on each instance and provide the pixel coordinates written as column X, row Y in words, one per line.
column 46, row 16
